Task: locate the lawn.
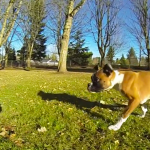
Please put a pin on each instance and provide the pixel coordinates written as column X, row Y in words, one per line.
column 44, row 110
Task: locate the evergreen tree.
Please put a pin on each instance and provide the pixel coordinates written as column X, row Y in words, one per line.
column 39, row 48
column 110, row 54
column 131, row 56
column 117, row 61
column 34, row 42
column 123, row 60
column 22, row 53
column 77, row 53
column 12, row 54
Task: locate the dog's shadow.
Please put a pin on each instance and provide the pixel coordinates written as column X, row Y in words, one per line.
column 0, row 108
column 78, row 102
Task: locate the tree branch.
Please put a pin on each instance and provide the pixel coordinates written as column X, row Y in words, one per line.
column 3, row 38
column 75, row 10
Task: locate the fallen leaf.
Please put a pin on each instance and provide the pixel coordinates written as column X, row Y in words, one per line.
column 117, row 142
column 12, row 136
column 19, row 142
column 42, row 129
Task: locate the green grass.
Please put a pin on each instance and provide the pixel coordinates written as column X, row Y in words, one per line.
column 73, row 117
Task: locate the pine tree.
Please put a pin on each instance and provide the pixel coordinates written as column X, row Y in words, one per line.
column 12, row 54
column 117, row 61
column 77, row 53
column 110, row 54
column 22, row 53
column 123, row 60
column 39, row 48
column 131, row 56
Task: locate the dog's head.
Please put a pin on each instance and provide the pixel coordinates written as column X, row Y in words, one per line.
column 102, row 79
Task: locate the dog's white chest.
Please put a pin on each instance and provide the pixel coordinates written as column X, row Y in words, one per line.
column 142, row 102
column 118, row 79
column 145, row 100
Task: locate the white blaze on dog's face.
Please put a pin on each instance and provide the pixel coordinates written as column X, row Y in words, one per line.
column 102, row 79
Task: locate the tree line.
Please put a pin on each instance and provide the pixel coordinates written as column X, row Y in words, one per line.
column 129, row 60
column 34, row 22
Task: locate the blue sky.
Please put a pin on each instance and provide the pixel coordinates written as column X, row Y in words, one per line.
column 125, row 13
column 93, row 47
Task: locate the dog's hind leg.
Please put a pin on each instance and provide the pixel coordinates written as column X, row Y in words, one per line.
column 144, row 109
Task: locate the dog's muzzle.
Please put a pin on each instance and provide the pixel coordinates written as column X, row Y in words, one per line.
column 95, row 85
column 92, row 88
column 89, row 87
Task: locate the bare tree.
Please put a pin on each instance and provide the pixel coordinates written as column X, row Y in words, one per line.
column 30, row 19
column 57, row 15
column 7, row 45
column 8, row 15
column 72, row 9
column 140, row 25
column 104, row 24
column 55, row 20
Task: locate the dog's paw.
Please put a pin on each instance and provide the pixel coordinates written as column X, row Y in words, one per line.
column 141, row 116
column 114, row 127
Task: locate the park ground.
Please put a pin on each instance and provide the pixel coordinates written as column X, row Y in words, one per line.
column 46, row 110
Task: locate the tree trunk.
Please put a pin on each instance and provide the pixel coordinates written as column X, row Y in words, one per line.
column 102, row 61
column 64, row 42
column 102, row 54
column 66, row 34
column 6, row 60
column 140, row 57
column 29, row 55
column 64, row 46
column 148, row 59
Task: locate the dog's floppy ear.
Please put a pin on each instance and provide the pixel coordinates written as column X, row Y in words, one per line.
column 97, row 67
column 107, row 69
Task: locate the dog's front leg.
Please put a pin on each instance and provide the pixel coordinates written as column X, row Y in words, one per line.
column 117, row 126
column 132, row 105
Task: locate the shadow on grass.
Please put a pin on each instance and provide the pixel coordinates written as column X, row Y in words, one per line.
column 0, row 108
column 63, row 97
column 79, row 102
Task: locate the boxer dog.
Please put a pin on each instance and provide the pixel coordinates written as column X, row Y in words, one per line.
column 134, row 85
